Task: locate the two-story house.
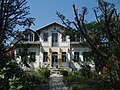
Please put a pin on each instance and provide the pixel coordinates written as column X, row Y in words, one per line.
column 52, row 49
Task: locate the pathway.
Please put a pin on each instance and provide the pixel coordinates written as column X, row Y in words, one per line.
column 56, row 82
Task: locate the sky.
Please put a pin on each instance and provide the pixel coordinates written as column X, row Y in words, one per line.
column 44, row 11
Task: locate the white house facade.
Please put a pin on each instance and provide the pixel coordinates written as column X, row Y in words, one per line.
column 52, row 49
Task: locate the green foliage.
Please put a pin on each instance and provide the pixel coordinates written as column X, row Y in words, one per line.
column 47, row 73
column 29, row 80
column 86, row 71
column 80, row 87
column 12, row 13
column 64, row 72
column 14, row 84
column 41, row 75
column 14, row 78
column 79, row 82
column 26, row 57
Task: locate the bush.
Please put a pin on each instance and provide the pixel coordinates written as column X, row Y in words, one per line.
column 79, row 82
column 64, row 72
column 23, row 82
column 80, row 87
column 40, row 76
column 47, row 73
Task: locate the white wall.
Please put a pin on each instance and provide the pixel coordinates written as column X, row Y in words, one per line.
column 80, row 50
column 65, row 46
column 66, row 64
column 46, row 45
column 37, row 56
column 51, row 30
column 36, row 50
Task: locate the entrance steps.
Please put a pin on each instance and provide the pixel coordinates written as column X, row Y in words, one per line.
column 54, row 71
column 57, row 70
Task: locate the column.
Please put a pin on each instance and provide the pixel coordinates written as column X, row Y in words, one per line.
column 59, row 58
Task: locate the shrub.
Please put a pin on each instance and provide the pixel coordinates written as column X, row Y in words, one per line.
column 23, row 82
column 80, row 87
column 64, row 72
column 39, row 77
column 47, row 73
column 79, row 82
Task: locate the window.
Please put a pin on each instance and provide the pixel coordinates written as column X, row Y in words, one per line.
column 45, row 56
column 63, row 38
column 85, row 56
column 26, row 37
column 32, row 56
column 45, row 36
column 63, row 56
column 29, row 37
column 76, row 55
column 81, row 38
column 77, row 38
column 54, row 39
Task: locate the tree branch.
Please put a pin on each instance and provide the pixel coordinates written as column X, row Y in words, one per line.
column 86, row 36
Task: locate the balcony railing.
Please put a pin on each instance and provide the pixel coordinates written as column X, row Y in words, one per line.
column 77, row 42
column 31, row 42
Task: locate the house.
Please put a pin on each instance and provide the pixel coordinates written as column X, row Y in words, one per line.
column 52, row 49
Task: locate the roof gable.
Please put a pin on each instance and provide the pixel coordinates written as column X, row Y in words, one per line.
column 50, row 25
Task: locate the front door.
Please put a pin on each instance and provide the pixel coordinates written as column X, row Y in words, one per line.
column 54, row 59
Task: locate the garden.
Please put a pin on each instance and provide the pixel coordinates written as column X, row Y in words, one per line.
column 79, row 81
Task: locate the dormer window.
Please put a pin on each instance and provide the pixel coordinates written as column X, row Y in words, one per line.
column 29, row 37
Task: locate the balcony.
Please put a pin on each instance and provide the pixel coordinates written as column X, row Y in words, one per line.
column 79, row 43
column 74, row 42
column 31, row 42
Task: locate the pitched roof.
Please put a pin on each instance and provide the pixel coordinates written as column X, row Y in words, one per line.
column 54, row 23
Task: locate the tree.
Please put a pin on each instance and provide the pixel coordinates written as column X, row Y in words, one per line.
column 13, row 13
column 102, row 35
